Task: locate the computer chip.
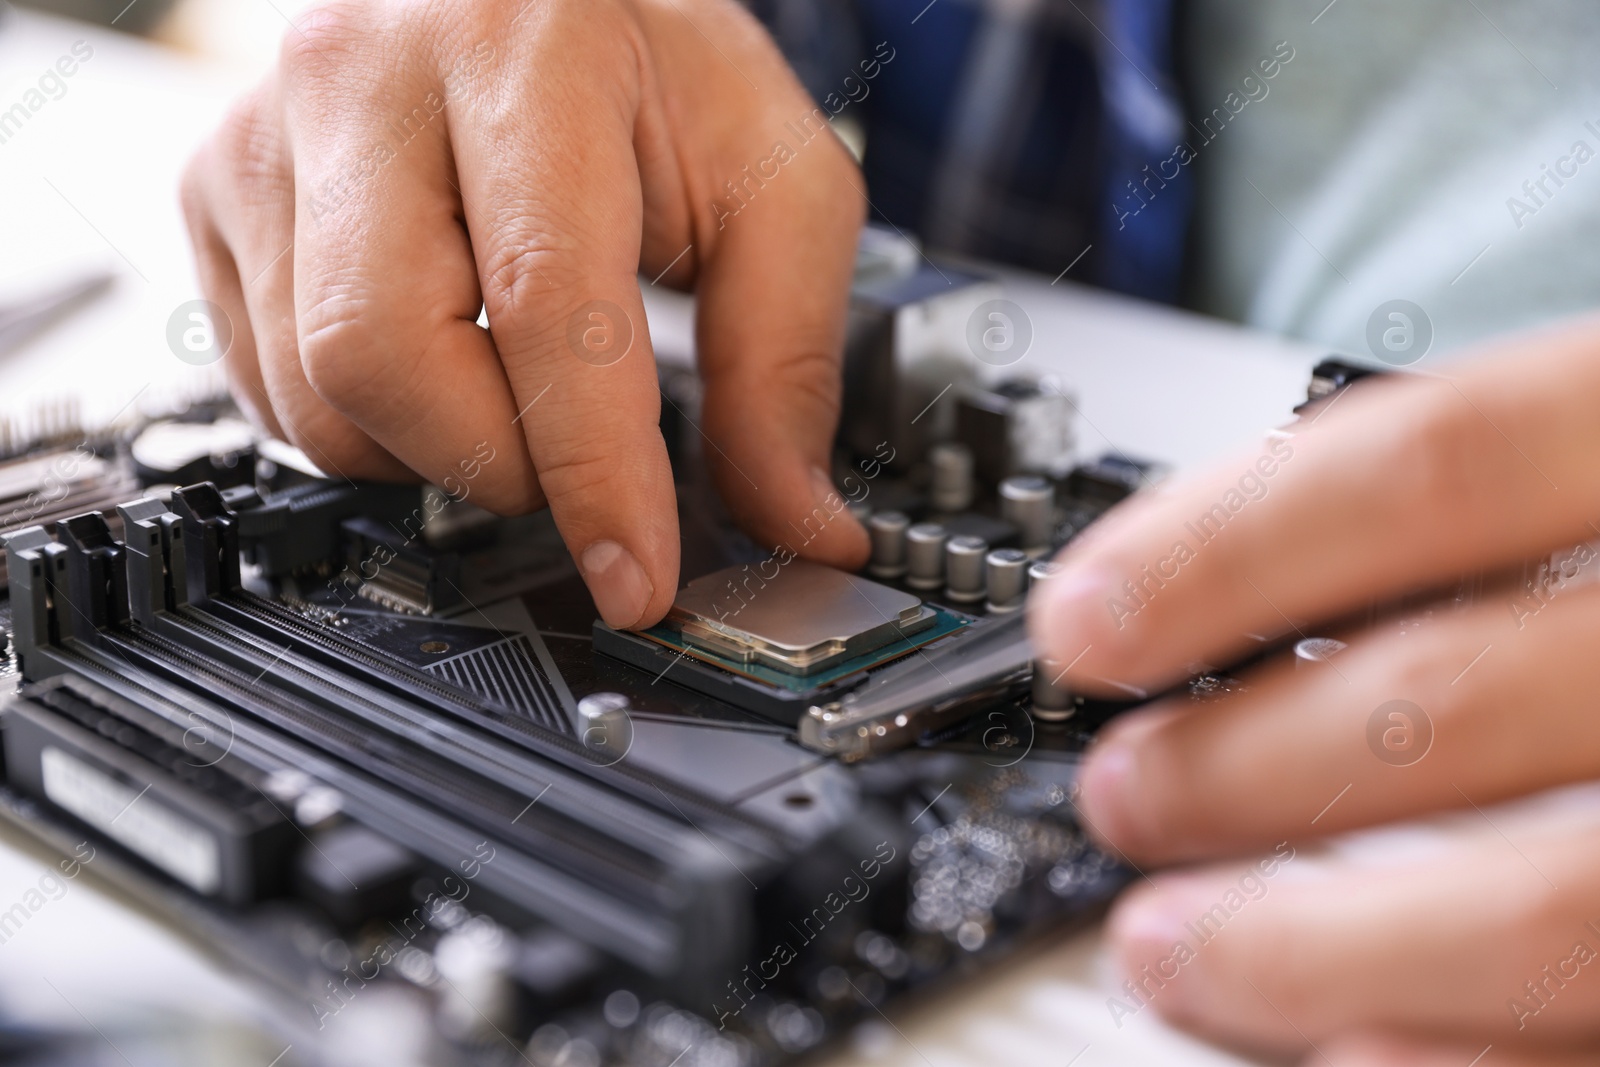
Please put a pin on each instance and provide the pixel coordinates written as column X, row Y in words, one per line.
column 803, row 619
column 774, row 640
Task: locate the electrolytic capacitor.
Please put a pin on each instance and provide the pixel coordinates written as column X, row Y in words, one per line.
column 1029, row 502
column 925, row 555
column 1041, row 570
column 888, row 532
column 952, row 476
column 1051, row 702
column 604, row 725
column 1007, row 579
column 964, row 568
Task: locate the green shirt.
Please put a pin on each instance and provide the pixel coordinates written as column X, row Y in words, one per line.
column 1445, row 152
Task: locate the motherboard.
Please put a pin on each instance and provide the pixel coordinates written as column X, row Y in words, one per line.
column 357, row 737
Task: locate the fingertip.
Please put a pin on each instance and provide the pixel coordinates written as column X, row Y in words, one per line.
column 795, row 507
column 1116, row 800
column 1104, row 781
column 1068, row 618
column 1143, row 925
column 843, row 542
column 1153, row 944
column 623, row 593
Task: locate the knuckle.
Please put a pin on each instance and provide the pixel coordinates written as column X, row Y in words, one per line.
column 805, row 370
column 333, row 344
column 246, row 152
column 523, row 269
column 320, row 39
column 808, row 360
column 510, row 496
column 573, row 472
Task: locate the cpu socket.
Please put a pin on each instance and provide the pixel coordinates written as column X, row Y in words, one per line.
column 802, row 620
column 775, row 638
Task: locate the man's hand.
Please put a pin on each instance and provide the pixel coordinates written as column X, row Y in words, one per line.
column 411, row 161
column 1449, row 702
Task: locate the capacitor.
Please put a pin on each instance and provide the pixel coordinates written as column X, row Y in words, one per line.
column 925, row 555
column 888, row 531
column 1029, row 502
column 964, row 568
column 604, row 725
column 1007, row 579
column 952, row 476
column 1041, row 570
column 1051, row 702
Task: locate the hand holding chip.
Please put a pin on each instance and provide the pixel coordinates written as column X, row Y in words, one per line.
column 407, row 166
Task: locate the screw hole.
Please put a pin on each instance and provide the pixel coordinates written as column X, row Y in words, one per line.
column 435, row 647
column 799, row 800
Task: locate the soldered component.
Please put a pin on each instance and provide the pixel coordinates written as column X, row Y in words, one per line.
column 952, row 476
column 1052, row 701
column 925, row 555
column 1016, row 426
column 1030, row 502
column 888, row 532
column 964, row 568
column 1007, row 582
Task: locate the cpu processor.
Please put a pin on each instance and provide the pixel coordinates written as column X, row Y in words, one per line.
column 802, row 620
column 777, row 637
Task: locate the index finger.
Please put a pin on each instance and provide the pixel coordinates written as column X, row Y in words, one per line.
column 1402, row 485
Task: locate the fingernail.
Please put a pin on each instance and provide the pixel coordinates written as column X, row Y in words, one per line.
column 1147, row 923
column 620, row 588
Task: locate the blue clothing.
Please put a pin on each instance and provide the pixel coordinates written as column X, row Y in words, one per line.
column 1024, row 131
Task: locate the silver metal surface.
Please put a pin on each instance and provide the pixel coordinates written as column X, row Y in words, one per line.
column 925, row 692
column 1029, row 502
column 925, row 555
column 1051, row 702
column 1007, row 583
column 964, row 568
column 952, row 476
column 1042, row 570
column 888, row 532
column 799, row 618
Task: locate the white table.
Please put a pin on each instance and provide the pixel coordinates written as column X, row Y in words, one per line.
column 90, row 180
